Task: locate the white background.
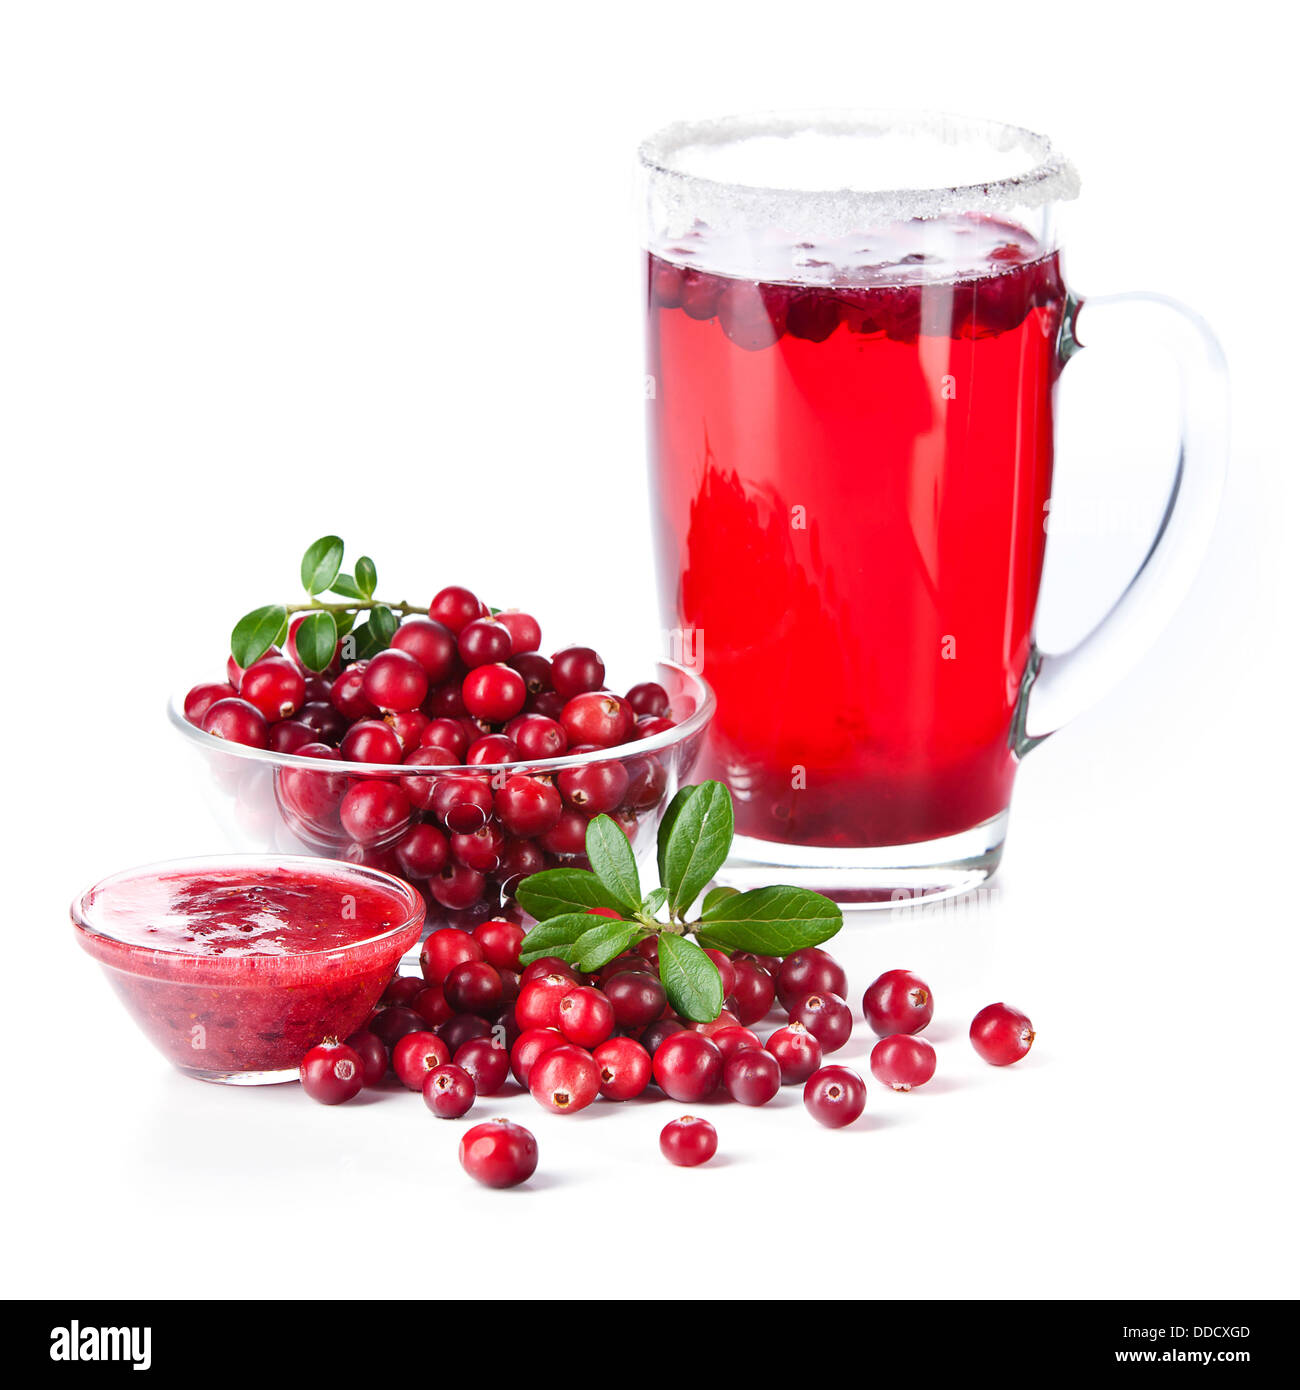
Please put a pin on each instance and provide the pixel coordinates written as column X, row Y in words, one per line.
column 271, row 270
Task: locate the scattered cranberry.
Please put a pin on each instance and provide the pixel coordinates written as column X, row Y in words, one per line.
column 827, row 1017
column 445, row 949
column 531, row 1044
column 448, row 1091
column 391, row 1025
column 733, row 1039
column 487, row 1064
column 726, row 970
column 374, row 1057
column 473, row 987
column 238, row 722
column 431, row 1004
column 902, row 1061
column 687, row 1067
column 835, row 1096
column 416, row 1054
column 564, row 1079
column 654, row 1036
column 625, row 1068
column 688, row 1142
column 797, row 1051
column 499, row 1154
column 898, row 1002
column 809, row 971
column 402, row 989
column 454, row 607
column 751, row 1077
column 500, row 940
column 548, row 965
column 637, row 998
column 585, row 1016
column 753, row 993
column 1001, row 1035
column 331, row 1072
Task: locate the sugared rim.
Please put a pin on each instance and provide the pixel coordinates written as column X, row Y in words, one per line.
column 82, row 910
column 1047, row 178
column 669, row 738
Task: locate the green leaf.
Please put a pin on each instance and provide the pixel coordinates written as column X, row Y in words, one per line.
column 344, row 622
column 715, row 896
column 346, row 587
column 366, row 577
column 556, row 892
column 375, row 634
column 698, row 844
column 675, row 807
column 599, row 945
column 316, row 638
column 257, row 632
column 321, row 563
column 691, row 979
column 613, row 862
column 554, row 938
column 770, row 921
column 654, row 900
column 383, row 622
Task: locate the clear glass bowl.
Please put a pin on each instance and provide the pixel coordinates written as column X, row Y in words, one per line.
column 224, row 1006
column 281, row 802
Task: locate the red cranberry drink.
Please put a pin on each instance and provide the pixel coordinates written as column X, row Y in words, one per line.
column 851, row 446
column 234, row 969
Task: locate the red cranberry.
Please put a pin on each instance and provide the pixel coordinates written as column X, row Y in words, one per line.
column 797, row 1051
column 725, row 969
column 687, row 1067
column 444, row 950
column 401, row 989
column 751, row 1077
column 495, row 693
column 480, row 851
column 575, row 670
column 548, row 703
column 654, row 1035
column 408, row 725
column 421, row 852
column 1001, row 1034
column 483, row 642
column 202, row 697
column 569, row 835
column 454, row 607
column 375, row 812
column 463, row 803
column 648, row 947
column 431, row 1004
column 371, row 741
column 447, row 734
column 445, row 700
column 431, row 644
column 724, row 1020
column 490, row 749
column 898, row 1002
column 289, row 735
column 902, row 1061
column 564, row 1079
column 331, row 1072
column 593, row 787
column 646, row 783
column 585, row 1016
column 238, row 722
column 487, row 1063
column 648, row 698
column 448, row 1091
column 519, row 860
column 537, row 737
column 460, row 1028
column 835, row 1096
column 637, row 998
column 688, row 1142
column 827, row 1017
column 649, row 727
column 528, row 807
column 500, row 940
column 733, row 1039
column 536, row 671
column 391, row 1025
column 329, row 724
column 538, row 1005
column 528, row 1047
column 753, row 992
column 597, row 718
column 473, row 987
column 525, row 631
column 548, row 965
column 273, row 685
column 457, row 887
column 416, row 1054
column 374, row 1057
column 395, row 681
column 624, row 1068
column 348, row 695
column 499, row 1154
column 809, row 971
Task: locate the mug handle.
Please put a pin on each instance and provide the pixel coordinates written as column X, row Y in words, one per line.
column 1059, row 685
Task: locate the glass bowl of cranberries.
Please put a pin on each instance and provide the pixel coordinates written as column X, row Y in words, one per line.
column 458, row 757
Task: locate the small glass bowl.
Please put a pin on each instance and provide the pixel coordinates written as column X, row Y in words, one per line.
column 241, row 1017
column 281, row 802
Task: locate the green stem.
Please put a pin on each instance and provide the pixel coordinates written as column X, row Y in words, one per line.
column 355, row 606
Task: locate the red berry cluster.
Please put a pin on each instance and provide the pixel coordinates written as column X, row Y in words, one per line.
column 464, row 693
column 476, row 1016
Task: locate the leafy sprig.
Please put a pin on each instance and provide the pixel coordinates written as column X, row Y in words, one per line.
column 317, row 637
column 588, row 917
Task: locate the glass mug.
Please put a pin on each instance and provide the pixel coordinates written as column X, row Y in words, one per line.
column 856, row 325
